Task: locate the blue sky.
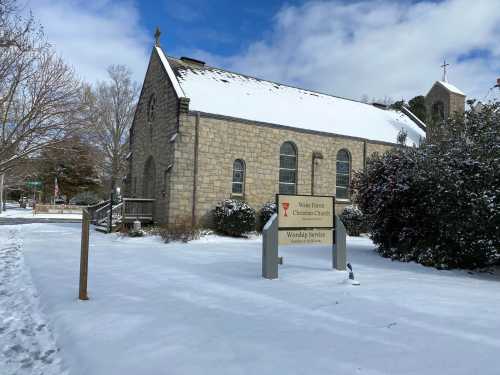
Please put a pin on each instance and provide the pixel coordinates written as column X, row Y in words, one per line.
column 366, row 48
column 223, row 27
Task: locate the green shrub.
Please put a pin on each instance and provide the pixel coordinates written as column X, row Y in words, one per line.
column 353, row 219
column 86, row 198
column 265, row 213
column 234, row 217
column 439, row 204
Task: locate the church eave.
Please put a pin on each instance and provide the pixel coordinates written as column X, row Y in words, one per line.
column 288, row 127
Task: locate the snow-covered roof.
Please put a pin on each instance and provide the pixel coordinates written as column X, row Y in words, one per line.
column 451, row 87
column 170, row 72
column 220, row 92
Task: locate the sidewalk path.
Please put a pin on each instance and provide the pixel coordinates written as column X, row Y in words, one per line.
column 26, row 344
column 34, row 220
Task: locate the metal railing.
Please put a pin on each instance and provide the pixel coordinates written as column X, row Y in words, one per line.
column 101, row 214
column 138, row 209
column 94, row 208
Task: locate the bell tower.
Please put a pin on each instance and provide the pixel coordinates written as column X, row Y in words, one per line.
column 444, row 99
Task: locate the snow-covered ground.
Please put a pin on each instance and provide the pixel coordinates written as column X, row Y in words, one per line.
column 26, row 343
column 14, row 211
column 203, row 308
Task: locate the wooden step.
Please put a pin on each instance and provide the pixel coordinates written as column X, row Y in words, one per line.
column 104, row 228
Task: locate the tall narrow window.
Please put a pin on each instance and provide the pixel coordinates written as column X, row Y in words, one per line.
column 343, row 174
column 152, row 108
column 238, row 177
column 288, row 169
column 438, row 111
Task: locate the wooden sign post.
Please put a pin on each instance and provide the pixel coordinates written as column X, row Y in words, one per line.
column 84, row 256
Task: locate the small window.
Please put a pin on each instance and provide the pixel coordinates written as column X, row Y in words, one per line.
column 238, row 177
column 438, row 111
column 288, row 169
column 343, row 174
column 152, row 108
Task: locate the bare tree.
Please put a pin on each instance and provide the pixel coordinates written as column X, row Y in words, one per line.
column 113, row 108
column 40, row 98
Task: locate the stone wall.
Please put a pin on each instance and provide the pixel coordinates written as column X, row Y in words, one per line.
column 152, row 138
column 222, row 140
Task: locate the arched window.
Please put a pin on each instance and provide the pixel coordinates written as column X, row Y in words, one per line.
column 238, row 177
column 438, row 111
column 343, row 174
column 288, row 169
column 152, row 108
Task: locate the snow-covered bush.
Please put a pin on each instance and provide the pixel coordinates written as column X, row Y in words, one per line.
column 438, row 204
column 267, row 210
column 353, row 219
column 135, row 233
column 234, row 217
column 86, row 198
column 180, row 231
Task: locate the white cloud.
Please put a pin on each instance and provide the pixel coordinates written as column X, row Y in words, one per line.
column 379, row 48
column 91, row 35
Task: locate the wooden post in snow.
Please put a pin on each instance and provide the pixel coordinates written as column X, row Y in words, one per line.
column 1, row 191
column 84, row 256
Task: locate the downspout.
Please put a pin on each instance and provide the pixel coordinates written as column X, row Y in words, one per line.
column 195, row 168
column 315, row 155
column 364, row 155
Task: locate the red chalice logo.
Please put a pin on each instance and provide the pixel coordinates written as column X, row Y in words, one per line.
column 285, row 207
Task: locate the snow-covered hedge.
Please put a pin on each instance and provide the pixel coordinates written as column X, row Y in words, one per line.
column 353, row 219
column 234, row 217
column 86, row 198
column 438, row 204
column 267, row 210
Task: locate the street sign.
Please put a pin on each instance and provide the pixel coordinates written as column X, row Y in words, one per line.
column 34, row 183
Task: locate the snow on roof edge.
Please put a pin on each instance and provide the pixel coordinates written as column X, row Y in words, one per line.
column 175, row 83
column 295, row 128
column 451, row 87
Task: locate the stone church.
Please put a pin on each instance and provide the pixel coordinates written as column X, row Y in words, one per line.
column 202, row 134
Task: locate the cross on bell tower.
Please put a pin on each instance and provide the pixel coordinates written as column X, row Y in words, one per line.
column 444, row 66
column 157, row 36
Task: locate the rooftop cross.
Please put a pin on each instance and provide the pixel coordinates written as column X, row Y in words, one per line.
column 445, row 78
column 157, row 36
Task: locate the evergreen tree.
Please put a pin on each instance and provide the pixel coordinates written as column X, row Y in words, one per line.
column 74, row 164
column 438, row 204
column 417, row 106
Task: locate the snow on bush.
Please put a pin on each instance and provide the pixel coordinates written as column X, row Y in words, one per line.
column 234, row 217
column 353, row 219
column 86, row 198
column 438, row 204
column 267, row 210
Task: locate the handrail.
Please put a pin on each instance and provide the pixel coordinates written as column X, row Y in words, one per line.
column 138, row 199
column 94, row 209
column 98, row 204
column 101, row 214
